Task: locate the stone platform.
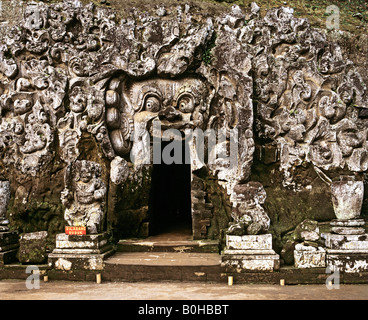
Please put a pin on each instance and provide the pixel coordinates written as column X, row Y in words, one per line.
column 80, row 252
column 347, row 246
column 250, row 253
column 157, row 266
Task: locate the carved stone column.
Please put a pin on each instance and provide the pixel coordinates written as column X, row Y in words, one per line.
column 248, row 246
column 8, row 239
column 84, row 198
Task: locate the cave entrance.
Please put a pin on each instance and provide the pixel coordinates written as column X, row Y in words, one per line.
column 170, row 203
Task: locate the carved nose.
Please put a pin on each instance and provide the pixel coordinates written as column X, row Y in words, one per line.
column 170, row 114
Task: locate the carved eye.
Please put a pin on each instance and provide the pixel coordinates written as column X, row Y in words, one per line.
column 186, row 104
column 152, row 104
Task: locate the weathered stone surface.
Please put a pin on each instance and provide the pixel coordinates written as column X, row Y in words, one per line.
column 248, row 214
column 347, row 198
column 267, row 262
column 72, row 262
column 80, row 252
column 309, row 257
column 95, row 243
column 249, row 242
column 32, row 247
column 348, row 223
column 250, row 253
column 348, row 230
column 349, row 261
column 307, row 230
column 346, row 242
column 4, row 199
column 84, row 196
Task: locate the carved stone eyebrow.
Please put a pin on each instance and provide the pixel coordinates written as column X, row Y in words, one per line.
column 186, row 90
column 143, row 92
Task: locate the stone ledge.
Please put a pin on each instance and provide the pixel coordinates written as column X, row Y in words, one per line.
column 348, row 261
column 78, row 261
column 214, row 274
column 249, row 242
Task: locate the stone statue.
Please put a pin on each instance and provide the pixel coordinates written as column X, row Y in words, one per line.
column 84, row 195
column 248, row 214
column 4, row 201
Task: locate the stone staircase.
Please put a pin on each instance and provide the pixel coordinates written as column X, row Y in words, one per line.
column 156, row 260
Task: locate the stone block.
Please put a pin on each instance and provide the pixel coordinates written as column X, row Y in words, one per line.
column 93, row 243
column 309, row 257
column 349, row 261
column 80, row 252
column 346, row 242
column 249, row 253
column 251, row 262
column 72, row 262
column 249, row 242
column 32, row 248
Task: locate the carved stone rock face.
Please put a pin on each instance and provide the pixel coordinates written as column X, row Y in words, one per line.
column 70, row 71
column 177, row 104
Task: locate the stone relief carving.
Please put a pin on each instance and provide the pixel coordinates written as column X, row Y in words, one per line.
column 312, row 114
column 72, row 69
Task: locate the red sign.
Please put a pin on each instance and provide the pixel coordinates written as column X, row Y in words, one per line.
column 75, row 230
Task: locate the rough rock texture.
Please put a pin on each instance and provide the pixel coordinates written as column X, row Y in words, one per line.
column 32, row 247
column 79, row 82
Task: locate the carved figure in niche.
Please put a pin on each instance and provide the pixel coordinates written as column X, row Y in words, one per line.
column 38, row 131
column 84, row 195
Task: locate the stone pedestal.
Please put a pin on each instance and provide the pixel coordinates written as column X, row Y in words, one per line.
column 80, row 252
column 250, row 253
column 347, row 246
column 309, row 257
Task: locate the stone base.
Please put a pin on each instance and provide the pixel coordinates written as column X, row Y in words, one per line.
column 349, row 261
column 347, row 252
column 80, row 252
column 250, row 253
column 309, row 257
column 346, row 242
column 9, row 244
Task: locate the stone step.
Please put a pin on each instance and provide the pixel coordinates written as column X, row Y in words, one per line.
column 162, row 266
column 179, row 246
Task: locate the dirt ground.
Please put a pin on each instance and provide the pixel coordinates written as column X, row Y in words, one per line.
column 68, row 290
